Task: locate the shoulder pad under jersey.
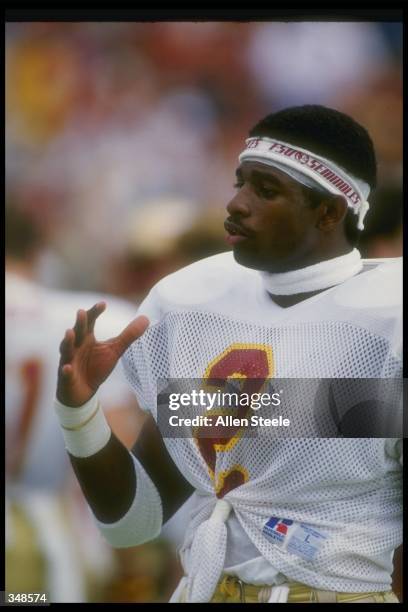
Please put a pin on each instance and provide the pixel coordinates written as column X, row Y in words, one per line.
column 204, row 281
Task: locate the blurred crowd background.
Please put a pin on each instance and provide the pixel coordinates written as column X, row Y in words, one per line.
column 122, row 141
column 121, row 136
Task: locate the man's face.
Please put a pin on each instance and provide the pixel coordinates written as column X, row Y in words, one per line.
column 271, row 224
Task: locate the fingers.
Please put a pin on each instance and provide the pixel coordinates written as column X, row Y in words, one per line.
column 93, row 313
column 65, row 378
column 67, row 346
column 80, row 327
column 131, row 333
column 67, row 372
column 85, row 321
column 76, row 347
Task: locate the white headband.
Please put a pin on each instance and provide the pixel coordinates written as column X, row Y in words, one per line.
column 303, row 165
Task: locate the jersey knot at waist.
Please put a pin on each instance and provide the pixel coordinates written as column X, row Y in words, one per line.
column 221, row 511
column 207, row 554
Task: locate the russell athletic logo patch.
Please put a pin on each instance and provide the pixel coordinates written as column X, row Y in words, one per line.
column 296, row 538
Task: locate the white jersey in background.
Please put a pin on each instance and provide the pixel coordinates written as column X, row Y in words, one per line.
column 323, row 511
column 36, row 321
column 38, row 467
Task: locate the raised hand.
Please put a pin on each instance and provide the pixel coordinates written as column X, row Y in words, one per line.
column 86, row 363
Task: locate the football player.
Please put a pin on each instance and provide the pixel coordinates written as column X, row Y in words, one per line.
column 309, row 518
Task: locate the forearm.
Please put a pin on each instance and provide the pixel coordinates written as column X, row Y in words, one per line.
column 110, row 476
column 108, row 480
column 125, row 502
column 152, row 453
column 102, row 464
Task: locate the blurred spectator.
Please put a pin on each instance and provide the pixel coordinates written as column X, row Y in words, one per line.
column 393, row 33
column 42, row 77
column 378, row 106
column 149, row 250
column 205, row 238
column 162, row 238
column 102, row 117
column 306, row 62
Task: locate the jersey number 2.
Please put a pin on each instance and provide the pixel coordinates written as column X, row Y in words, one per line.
column 253, row 364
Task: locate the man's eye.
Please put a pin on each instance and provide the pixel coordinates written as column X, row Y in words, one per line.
column 238, row 185
column 267, row 192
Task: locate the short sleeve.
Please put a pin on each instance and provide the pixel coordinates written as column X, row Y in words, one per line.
column 137, row 361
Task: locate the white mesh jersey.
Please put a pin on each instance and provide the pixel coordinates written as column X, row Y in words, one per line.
column 325, row 512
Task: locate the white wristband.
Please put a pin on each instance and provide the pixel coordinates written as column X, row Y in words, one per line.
column 84, row 428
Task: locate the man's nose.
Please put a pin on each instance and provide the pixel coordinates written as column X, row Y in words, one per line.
column 239, row 204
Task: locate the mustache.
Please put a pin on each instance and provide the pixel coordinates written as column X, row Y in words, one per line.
column 234, row 225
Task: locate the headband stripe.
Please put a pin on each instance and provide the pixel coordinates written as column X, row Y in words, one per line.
column 324, row 172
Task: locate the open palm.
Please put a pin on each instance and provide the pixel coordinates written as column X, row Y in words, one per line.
column 85, row 363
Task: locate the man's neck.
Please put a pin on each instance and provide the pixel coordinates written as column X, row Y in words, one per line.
column 285, row 301
column 325, row 253
column 289, row 288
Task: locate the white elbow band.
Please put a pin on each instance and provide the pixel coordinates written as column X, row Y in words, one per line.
column 143, row 521
column 85, row 429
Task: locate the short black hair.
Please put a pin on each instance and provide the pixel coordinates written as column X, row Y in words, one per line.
column 328, row 133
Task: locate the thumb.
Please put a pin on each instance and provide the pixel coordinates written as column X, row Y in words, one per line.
column 132, row 332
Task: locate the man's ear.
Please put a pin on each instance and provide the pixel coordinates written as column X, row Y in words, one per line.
column 332, row 211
